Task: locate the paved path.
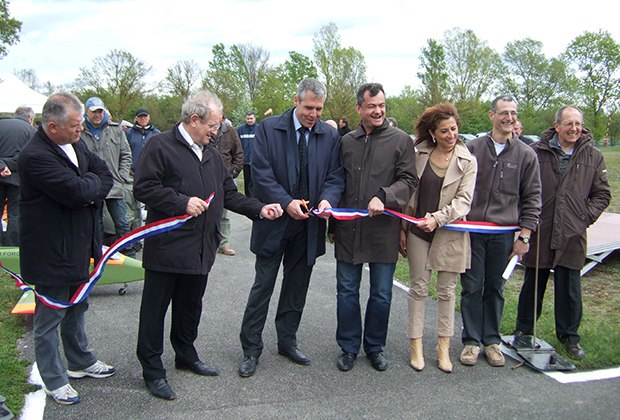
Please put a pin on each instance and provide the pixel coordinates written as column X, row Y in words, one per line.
column 283, row 390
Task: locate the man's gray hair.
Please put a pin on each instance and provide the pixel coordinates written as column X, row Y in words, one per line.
column 558, row 115
column 312, row 85
column 24, row 111
column 58, row 107
column 506, row 98
column 198, row 104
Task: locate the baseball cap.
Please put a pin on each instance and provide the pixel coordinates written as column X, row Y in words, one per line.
column 94, row 104
column 141, row 111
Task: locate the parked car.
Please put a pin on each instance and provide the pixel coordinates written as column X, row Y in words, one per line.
column 532, row 137
column 466, row 137
column 482, row 134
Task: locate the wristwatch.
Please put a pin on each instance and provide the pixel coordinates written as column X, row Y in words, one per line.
column 524, row 239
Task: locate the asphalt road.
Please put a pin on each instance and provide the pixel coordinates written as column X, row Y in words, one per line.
column 283, row 390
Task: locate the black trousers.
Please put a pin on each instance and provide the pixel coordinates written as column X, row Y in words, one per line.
column 568, row 309
column 293, row 254
column 247, row 180
column 186, row 292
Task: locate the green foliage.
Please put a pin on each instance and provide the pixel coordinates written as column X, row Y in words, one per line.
column 343, row 70
column 476, row 120
column 182, row 77
column 434, row 77
column 473, row 67
column 597, row 59
column 406, row 108
column 536, row 82
column 117, row 78
column 225, row 77
column 14, row 376
column 9, row 29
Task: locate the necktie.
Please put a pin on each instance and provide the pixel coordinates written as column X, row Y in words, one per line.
column 197, row 150
column 302, row 190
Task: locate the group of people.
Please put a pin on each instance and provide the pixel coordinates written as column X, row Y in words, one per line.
column 298, row 163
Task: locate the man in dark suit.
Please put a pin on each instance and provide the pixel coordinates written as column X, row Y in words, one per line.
column 295, row 162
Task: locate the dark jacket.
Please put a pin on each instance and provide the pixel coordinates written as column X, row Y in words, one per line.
column 14, row 133
column 59, row 230
column 344, row 130
column 137, row 137
column 168, row 174
column 508, row 185
column 383, row 160
column 275, row 170
column 113, row 148
column 227, row 143
column 571, row 202
column 246, row 136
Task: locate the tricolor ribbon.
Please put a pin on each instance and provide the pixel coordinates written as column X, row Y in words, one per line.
column 462, row 225
column 83, row 290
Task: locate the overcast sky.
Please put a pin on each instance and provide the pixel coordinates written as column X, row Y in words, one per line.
column 59, row 37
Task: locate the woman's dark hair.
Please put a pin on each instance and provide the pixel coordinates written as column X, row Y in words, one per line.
column 431, row 118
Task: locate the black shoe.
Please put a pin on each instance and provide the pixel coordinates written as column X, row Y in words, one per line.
column 378, row 360
column 198, row 368
column 345, row 362
column 575, row 351
column 161, row 389
column 295, row 355
column 248, row 366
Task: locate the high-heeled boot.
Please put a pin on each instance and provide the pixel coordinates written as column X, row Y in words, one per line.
column 417, row 358
column 443, row 354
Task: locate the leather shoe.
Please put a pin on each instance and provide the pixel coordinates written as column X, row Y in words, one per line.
column 378, row 361
column 248, row 366
column 198, row 368
column 575, row 351
column 295, row 355
column 345, row 362
column 161, row 389
column 226, row 250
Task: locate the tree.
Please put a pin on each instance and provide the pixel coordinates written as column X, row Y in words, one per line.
column 597, row 59
column 182, row 77
column 9, row 29
column 29, row 77
column 254, row 62
column 225, row 77
column 117, row 78
column 472, row 67
column 536, row 82
column 343, row 70
column 405, row 107
column 434, row 77
column 297, row 68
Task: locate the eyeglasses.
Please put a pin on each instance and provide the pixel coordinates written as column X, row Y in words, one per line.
column 213, row 127
column 504, row 114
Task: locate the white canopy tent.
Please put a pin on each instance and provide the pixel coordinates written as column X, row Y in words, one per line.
column 14, row 93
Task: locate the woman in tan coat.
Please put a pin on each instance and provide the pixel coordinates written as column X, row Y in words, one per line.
column 447, row 173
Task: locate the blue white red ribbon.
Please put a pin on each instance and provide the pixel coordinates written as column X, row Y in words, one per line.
column 462, row 225
column 151, row 229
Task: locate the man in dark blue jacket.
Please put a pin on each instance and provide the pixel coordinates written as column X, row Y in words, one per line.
column 246, row 134
column 295, row 162
column 63, row 186
column 14, row 133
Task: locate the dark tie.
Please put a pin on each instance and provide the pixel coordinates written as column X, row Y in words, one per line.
column 302, row 191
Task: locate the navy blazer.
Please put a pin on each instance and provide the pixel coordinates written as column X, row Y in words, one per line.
column 275, row 174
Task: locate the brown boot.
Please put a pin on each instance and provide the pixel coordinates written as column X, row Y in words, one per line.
column 443, row 354
column 417, row 358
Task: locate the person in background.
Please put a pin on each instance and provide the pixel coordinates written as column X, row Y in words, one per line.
column 14, row 133
column 344, row 126
column 246, row 134
column 447, row 173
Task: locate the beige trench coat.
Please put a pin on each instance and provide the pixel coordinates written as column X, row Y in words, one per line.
column 450, row 250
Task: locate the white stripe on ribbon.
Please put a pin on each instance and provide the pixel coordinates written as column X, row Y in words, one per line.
column 463, row 226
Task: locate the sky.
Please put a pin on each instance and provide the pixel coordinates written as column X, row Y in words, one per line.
column 61, row 36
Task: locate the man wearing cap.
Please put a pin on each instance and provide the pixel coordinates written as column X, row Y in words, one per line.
column 137, row 137
column 107, row 140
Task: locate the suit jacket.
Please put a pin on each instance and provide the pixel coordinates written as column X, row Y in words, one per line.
column 58, row 224
column 275, row 174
